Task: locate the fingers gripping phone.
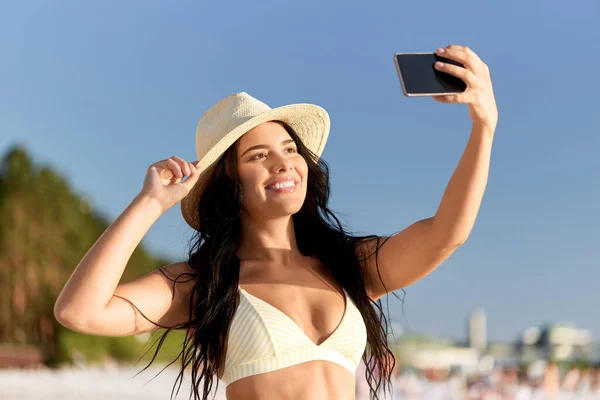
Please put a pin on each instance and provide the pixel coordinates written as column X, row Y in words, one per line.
column 419, row 77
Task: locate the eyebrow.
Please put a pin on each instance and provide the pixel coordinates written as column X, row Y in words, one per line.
column 264, row 146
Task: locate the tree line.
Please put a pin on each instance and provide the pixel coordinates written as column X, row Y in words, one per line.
column 45, row 230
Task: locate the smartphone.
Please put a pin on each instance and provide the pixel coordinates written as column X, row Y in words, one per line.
column 419, row 77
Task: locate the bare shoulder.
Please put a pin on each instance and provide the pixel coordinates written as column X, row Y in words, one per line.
column 395, row 262
column 178, row 272
column 162, row 296
column 181, row 278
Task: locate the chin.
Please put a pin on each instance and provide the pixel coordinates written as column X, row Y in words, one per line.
column 284, row 209
column 275, row 206
column 282, row 206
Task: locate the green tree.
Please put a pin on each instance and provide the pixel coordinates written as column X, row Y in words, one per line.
column 45, row 230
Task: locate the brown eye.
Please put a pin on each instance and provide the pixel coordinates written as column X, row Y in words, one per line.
column 257, row 156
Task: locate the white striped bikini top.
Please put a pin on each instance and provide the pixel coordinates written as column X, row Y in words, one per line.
column 262, row 339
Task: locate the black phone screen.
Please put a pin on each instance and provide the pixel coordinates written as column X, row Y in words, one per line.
column 420, row 77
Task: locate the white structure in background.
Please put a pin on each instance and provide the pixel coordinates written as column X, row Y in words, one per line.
column 424, row 353
column 467, row 359
column 478, row 330
column 557, row 341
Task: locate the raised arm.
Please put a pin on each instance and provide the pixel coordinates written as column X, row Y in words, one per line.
column 417, row 250
column 93, row 302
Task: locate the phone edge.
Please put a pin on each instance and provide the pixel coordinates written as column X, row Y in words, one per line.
column 400, row 75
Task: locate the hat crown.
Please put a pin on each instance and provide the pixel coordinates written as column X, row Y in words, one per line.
column 223, row 117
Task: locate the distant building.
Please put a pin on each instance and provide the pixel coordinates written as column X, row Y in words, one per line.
column 504, row 354
column 478, row 330
column 535, row 347
column 468, row 360
column 423, row 352
column 558, row 342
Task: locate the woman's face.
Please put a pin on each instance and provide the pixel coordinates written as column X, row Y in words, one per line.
column 272, row 173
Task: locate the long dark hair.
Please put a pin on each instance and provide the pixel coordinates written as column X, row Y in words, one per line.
column 214, row 296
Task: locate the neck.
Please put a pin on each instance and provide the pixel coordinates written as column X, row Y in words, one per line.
column 271, row 240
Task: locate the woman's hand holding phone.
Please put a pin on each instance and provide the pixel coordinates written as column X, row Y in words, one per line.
column 479, row 94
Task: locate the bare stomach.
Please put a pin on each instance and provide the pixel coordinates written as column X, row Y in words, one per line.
column 322, row 380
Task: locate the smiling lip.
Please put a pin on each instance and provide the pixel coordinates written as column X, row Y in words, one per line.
column 288, row 189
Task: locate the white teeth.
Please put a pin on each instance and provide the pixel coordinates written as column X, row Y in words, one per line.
column 282, row 185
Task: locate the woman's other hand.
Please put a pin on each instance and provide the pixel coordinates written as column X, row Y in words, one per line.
column 163, row 181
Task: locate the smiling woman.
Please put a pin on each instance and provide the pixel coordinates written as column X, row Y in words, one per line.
column 272, row 173
column 277, row 298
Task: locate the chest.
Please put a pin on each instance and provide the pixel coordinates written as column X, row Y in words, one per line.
column 312, row 300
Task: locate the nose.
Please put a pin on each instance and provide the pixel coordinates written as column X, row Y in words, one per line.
column 282, row 164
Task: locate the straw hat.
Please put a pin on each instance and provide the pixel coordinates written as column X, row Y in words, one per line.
column 229, row 119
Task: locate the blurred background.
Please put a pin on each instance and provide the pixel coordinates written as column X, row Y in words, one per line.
column 95, row 92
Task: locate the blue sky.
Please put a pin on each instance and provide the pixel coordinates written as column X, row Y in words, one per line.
column 102, row 90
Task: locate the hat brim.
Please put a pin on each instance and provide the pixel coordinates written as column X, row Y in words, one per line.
column 310, row 122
